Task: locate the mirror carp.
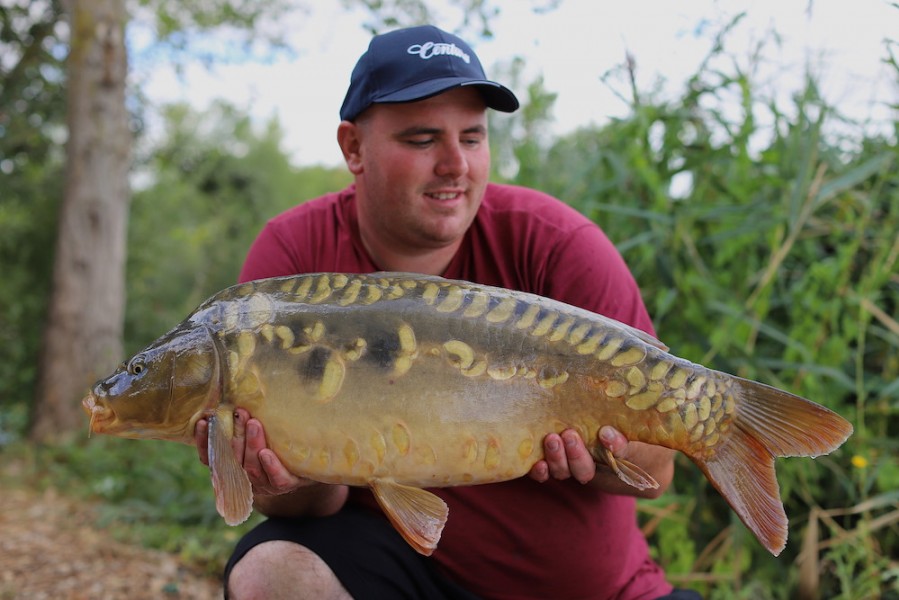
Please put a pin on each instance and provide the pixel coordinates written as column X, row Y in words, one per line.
column 402, row 382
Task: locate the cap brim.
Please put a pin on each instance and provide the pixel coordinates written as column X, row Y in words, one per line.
column 496, row 96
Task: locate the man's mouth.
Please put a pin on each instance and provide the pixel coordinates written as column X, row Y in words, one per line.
column 443, row 195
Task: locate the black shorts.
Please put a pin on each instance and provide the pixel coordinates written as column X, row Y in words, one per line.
column 368, row 556
column 365, row 552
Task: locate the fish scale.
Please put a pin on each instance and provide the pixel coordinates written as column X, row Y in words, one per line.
column 400, row 382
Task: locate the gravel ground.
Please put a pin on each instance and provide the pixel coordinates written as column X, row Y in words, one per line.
column 49, row 549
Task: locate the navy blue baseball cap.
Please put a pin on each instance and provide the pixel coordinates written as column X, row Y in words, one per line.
column 416, row 63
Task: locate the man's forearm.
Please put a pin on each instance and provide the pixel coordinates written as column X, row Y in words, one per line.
column 315, row 500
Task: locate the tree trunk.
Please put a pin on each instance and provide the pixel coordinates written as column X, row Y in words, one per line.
column 83, row 333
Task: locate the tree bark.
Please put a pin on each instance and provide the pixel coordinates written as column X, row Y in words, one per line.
column 82, row 338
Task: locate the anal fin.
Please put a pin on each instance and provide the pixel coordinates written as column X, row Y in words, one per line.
column 417, row 514
column 233, row 491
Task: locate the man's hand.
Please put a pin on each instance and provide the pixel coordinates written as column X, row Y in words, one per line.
column 268, row 476
column 276, row 491
column 566, row 456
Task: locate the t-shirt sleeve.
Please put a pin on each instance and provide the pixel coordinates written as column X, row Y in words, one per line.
column 269, row 256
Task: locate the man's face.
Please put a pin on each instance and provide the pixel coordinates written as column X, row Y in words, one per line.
column 421, row 169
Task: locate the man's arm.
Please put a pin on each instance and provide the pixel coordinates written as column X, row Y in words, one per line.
column 276, row 491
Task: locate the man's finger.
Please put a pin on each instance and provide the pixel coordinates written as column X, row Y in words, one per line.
column 580, row 462
column 613, row 439
column 556, row 459
column 539, row 472
column 238, row 442
column 254, row 443
column 281, row 479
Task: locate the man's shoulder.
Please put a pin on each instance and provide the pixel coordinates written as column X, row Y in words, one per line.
column 512, row 204
column 322, row 207
column 509, row 195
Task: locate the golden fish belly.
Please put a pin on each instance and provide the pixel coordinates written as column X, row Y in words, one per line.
column 429, row 427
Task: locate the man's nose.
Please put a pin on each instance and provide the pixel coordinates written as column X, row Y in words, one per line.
column 452, row 161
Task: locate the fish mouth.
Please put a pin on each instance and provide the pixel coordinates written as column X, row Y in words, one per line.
column 100, row 415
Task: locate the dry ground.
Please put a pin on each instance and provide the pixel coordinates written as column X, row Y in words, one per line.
column 49, row 549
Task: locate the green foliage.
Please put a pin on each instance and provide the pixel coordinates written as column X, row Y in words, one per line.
column 770, row 253
column 517, row 139
column 31, row 165
column 469, row 18
column 27, row 233
column 474, row 15
column 182, row 29
column 215, row 181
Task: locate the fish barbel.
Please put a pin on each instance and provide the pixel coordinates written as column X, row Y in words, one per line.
column 400, row 382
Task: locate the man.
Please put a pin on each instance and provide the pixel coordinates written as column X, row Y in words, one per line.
column 413, row 133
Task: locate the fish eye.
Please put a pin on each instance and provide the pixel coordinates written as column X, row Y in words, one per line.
column 136, row 366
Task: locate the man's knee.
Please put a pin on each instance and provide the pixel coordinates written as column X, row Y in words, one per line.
column 278, row 569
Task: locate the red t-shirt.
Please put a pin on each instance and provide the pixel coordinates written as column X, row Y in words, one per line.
column 518, row 539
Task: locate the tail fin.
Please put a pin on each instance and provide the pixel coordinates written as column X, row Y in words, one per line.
column 769, row 423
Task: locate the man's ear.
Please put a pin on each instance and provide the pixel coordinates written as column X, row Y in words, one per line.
column 348, row 138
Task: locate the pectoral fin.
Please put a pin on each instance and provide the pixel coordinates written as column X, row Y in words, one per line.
column 417, row 514
column 626, row 471
column 233, row 491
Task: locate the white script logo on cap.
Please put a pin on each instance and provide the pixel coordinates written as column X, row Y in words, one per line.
column 429, row 49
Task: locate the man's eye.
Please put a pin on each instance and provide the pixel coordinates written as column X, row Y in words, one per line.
column 419, row 143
